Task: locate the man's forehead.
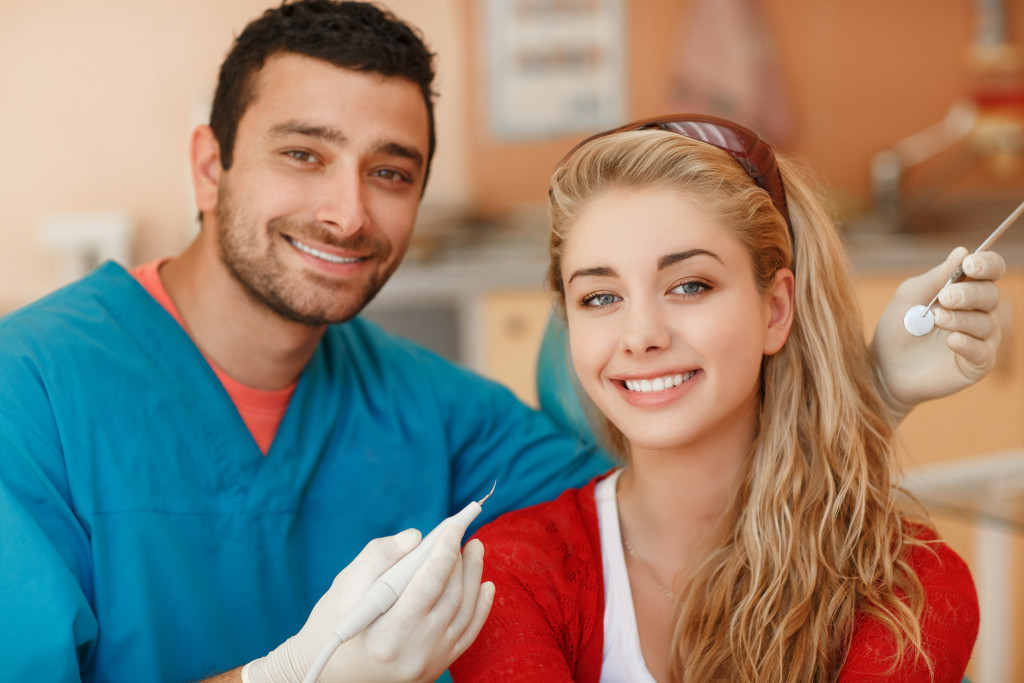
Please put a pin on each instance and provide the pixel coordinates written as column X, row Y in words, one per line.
column 305, row 95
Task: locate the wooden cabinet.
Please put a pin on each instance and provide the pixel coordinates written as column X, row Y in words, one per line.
column 513, row 324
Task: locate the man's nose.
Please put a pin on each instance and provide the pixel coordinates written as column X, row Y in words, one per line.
column 341, row 202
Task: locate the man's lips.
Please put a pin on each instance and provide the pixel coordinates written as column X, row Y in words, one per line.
column 323, row 255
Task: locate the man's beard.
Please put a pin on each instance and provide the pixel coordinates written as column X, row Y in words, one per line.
column 306, row 297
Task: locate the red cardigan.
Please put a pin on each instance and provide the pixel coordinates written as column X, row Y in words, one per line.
column 547, row 622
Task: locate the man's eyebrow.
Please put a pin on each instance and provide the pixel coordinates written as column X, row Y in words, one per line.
column 670, row 259
column 334, row 135
column 325, row 133
column 398, row 150
column 599, row 271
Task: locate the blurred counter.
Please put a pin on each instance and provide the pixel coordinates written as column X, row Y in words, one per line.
column 910, row 254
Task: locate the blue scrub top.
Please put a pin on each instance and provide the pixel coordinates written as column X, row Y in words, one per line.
column 144, row 536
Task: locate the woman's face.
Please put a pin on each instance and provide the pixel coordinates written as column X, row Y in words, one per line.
column 667, row 327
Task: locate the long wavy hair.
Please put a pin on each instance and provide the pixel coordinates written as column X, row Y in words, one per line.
column 815, row 535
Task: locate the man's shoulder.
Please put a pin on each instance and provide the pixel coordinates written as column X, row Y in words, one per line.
column 84, row 323
column 362, row 332
column 77, row 303
column 371, row 349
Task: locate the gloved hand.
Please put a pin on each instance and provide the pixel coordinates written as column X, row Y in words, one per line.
column 434, row 620
column 962, row 347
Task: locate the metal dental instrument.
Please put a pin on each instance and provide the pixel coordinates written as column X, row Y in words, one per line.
column 386, row 589
column 919, row 320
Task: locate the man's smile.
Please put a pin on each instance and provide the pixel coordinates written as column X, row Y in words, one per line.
column 330, row 258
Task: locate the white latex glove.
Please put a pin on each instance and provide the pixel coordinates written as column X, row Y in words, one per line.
column 962, row 347
column 434, row 620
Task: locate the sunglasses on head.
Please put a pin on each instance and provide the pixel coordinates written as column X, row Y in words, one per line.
column 742, row 144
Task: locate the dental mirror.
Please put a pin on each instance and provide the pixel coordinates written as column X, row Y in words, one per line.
column 919, row 320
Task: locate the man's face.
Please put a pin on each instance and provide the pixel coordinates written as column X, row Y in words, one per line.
column 318, row 207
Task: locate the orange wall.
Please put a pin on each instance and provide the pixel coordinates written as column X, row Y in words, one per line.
column 859, row 76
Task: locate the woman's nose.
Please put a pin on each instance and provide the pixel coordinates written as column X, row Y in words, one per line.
column 644, row 329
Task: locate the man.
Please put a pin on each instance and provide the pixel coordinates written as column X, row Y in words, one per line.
column 190, row 452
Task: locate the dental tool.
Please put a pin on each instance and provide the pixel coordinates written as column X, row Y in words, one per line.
column 385, row 590
column 919, row 320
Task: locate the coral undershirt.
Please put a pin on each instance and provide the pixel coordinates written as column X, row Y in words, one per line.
column 261, row 411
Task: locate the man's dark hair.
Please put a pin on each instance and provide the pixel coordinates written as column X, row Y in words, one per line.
column 352, row 35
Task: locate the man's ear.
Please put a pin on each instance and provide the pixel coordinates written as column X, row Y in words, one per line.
column 779, row 300
column 204, row 155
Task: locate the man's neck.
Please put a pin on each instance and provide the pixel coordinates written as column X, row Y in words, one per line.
column 246, row 339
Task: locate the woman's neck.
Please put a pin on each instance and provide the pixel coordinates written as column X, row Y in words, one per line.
column 671, row 501
column 670, row 504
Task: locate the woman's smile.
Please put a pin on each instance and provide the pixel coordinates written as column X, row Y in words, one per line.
column 658, row 383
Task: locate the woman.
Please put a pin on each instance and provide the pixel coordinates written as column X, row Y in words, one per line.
column 755, row 530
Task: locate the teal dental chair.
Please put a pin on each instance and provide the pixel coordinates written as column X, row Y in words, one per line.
column 558, row 388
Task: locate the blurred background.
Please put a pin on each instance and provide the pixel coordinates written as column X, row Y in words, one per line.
column 911, row 113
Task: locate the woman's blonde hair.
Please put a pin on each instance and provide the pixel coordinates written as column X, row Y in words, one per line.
column 814, row 536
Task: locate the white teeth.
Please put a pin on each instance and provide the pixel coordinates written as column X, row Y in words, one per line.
column 658, row 384
column 330, row 258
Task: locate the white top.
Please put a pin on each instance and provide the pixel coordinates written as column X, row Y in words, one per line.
column 623, row 660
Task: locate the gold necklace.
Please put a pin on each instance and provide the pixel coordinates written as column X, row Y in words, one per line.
column 649, row 568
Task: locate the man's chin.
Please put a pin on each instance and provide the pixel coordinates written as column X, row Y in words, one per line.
column 317, row 318
column 321, row 315
column 310, row 300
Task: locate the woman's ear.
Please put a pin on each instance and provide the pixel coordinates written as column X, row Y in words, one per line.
column 204, row 155
column 779, row 300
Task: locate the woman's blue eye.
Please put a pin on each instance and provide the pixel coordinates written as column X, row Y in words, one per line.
column 600, row 299
column 691, row 287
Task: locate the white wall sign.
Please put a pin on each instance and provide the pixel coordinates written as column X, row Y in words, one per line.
column 554, row 67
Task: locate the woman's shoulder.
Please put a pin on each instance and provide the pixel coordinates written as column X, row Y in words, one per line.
column 550, row 551
column 949, row 621
column 565, row 526
column 547, row 618
column 938, row 567
column 951, row 612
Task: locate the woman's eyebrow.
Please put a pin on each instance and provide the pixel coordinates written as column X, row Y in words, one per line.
column 663, row 262
column 670, row 259
column 599, row 271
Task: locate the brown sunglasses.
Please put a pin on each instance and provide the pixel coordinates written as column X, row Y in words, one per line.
column 742, row 144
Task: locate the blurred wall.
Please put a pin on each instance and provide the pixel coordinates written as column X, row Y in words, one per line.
column 97, row 101
column 858, row 76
